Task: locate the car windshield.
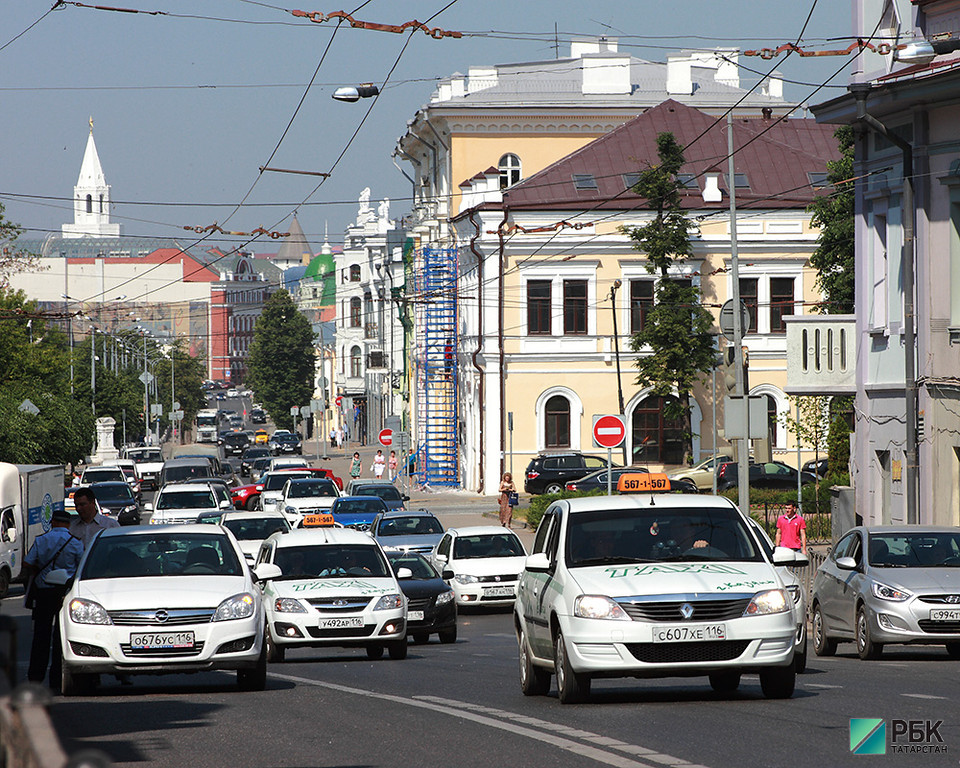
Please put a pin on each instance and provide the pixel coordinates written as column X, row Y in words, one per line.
column 256, row 529
column 657, row 534
column 163, row 554
column 358, row 506
column 114, row 492
column 145, row 455
column 311, row 489
column 199, row 499
column 274, row 481
column 179, row 474
column 331, row 561
column 409, row 526
column 927, row 549
column 385, row 492
column 487, row 545
column 421, row 569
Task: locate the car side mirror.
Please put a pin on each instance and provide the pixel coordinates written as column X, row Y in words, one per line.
column 225, row 504
column 538, row 563
column 405, row 497
column 447, row 574
column 267, row 571
column 785, row 556
column 404, row 573
column 846, row 564
column 148, row 506
column 440, row 558
column 800, row 559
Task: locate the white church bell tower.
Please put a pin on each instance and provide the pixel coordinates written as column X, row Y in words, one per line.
column 91, row 199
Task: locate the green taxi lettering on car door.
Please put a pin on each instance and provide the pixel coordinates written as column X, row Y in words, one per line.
column 339, row 584
column 657, row 569
column 742, row 584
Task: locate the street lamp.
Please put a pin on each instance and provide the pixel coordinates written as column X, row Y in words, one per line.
column 352, row 93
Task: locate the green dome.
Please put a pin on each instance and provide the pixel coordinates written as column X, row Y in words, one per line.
column 321, row 270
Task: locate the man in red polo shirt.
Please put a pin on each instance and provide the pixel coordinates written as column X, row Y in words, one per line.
column 791, row 530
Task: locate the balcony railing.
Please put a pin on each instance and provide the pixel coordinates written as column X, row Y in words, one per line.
column 821, row 355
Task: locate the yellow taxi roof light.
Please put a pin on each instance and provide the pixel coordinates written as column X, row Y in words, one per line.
column 316, row 521
column 643, row 482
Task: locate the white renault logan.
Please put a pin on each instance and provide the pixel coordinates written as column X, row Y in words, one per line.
column 162, row 599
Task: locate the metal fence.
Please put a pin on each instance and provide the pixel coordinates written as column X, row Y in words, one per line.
column 819, row 524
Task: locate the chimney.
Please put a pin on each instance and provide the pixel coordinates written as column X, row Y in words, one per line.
column 711, row 188
column 580, row 46
column 773, row 86
column 605, row 73
column 481, row 78
column 458, row 86
column 679, row 76
column 728, row 68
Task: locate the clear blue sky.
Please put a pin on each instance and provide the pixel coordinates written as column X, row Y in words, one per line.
column 186, row 107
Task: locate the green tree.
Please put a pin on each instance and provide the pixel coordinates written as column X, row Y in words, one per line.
column 677, row 329
column 280, row 368
column 834, row 215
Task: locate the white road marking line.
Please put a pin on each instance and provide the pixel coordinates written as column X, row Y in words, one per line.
column 924, row 696
column 820, row 685
column 462, row 710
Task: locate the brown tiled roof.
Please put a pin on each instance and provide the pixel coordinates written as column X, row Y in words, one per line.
column 775, row 157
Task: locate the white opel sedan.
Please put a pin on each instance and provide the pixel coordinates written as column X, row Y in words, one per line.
column 486, row 561
column 331, row 587
column 162, row 599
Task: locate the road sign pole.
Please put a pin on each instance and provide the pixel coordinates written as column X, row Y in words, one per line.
column 609, row 472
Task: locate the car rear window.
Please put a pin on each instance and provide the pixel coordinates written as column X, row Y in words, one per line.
column 275, row 481
column 311, row 489
column 409, row 526
column 385, row 492
column 490, row 545
column 181, row 473
column 256, row 528
column 165, row 554
column 103, row 475
column 114, row 492
column 199, row 499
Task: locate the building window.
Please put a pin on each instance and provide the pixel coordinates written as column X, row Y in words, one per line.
column 880, row 268
column 772, row 420
column 101, row 203
column 509, row 167
column 656, row 438
column 89, row 204
column 354, row 273
column 641, row 300
column 538, row 307
column 557, row 422
column 749, row 296
column 356, row 312
column 584, row 181
column 575, row 307
column 781, row 302
column 356, row 361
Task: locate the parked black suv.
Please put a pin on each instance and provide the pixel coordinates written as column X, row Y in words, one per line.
column 550, row 472
column 772, row 474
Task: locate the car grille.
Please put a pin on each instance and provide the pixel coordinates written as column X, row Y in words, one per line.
column 680, row 653
column 175, row 617
column 420, row 604
column 339, row 604
column 940, row 599
column 195, row 651
column 504, row 577
column 940, row 627
column 358, row 526
column 364, row 631
column 669, row 610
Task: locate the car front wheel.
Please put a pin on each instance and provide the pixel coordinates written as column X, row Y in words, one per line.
column 275, row 653
column 822, row 645
column 866, row 647
column 572, row 687
column 725, row 682
column 255, row 678
column 398, row 649
column 778, row 682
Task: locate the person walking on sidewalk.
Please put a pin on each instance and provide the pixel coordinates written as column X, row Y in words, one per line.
column 507, row 489
column 356, row 466
column 379, row 464
column 392, row 465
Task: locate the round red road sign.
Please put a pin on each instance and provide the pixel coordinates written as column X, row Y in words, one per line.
column 338, row 400
column 609, row 431
column 385, row 437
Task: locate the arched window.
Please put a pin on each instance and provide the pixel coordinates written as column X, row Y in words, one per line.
column 356, row 359
column 772, row 419
column 557, row 422
column 356, row 312
column 509, row 167
column 655, row 437
column 354, row 273
column 89, row 203
column 101, row 203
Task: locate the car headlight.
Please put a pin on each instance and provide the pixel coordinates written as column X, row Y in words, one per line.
column 445, row 597
column 598, row 607
column 794, row 590
column 771, row 601
column 236, row 607
column 889, row 593
column 88, row 612
column 288, row 605
column 466, row 578
column 389, row 602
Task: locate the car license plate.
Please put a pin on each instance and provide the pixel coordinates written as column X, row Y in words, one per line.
column 692, row 633
column 498, row 591
column 161, row 640
column 352, row 622
column 945, row 614
column 415, row 615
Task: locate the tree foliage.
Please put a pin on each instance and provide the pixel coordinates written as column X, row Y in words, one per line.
column 676, row 335
column 834, row 215
column 280, row 368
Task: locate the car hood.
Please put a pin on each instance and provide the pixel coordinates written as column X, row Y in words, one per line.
column 305, row 589
column 919, row 579
column 354, row 518
column 421, row 542
column 696, row 578
column 420, row 588
column 161, row 591
column 489, row 566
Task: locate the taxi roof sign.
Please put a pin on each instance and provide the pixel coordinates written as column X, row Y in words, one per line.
column 643, row 482
column 316, row 521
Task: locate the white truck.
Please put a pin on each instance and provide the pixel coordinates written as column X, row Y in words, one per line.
column 207, row 420
column 149, row 462
column 28, row 495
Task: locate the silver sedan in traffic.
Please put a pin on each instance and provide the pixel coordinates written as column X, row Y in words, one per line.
column 889, row 584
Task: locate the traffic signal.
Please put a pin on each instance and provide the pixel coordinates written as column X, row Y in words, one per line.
column 729, row 371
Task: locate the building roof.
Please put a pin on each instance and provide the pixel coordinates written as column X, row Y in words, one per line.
column 774, row 157
column 295, row 247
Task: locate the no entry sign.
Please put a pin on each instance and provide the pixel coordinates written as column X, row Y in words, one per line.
column 385, row 437
column 609, row 431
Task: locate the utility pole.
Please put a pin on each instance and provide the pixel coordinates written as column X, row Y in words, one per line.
column 93, row 370
column 616, row 354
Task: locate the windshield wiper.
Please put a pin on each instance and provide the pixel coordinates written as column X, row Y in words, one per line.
column 612, row 560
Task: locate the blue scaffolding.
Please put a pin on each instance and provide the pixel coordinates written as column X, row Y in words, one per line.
column 436, row 360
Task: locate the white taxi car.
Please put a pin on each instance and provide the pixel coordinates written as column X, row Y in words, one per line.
column 162, row 599
column 330, row 586
column 486, row 561
column 652, row 585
